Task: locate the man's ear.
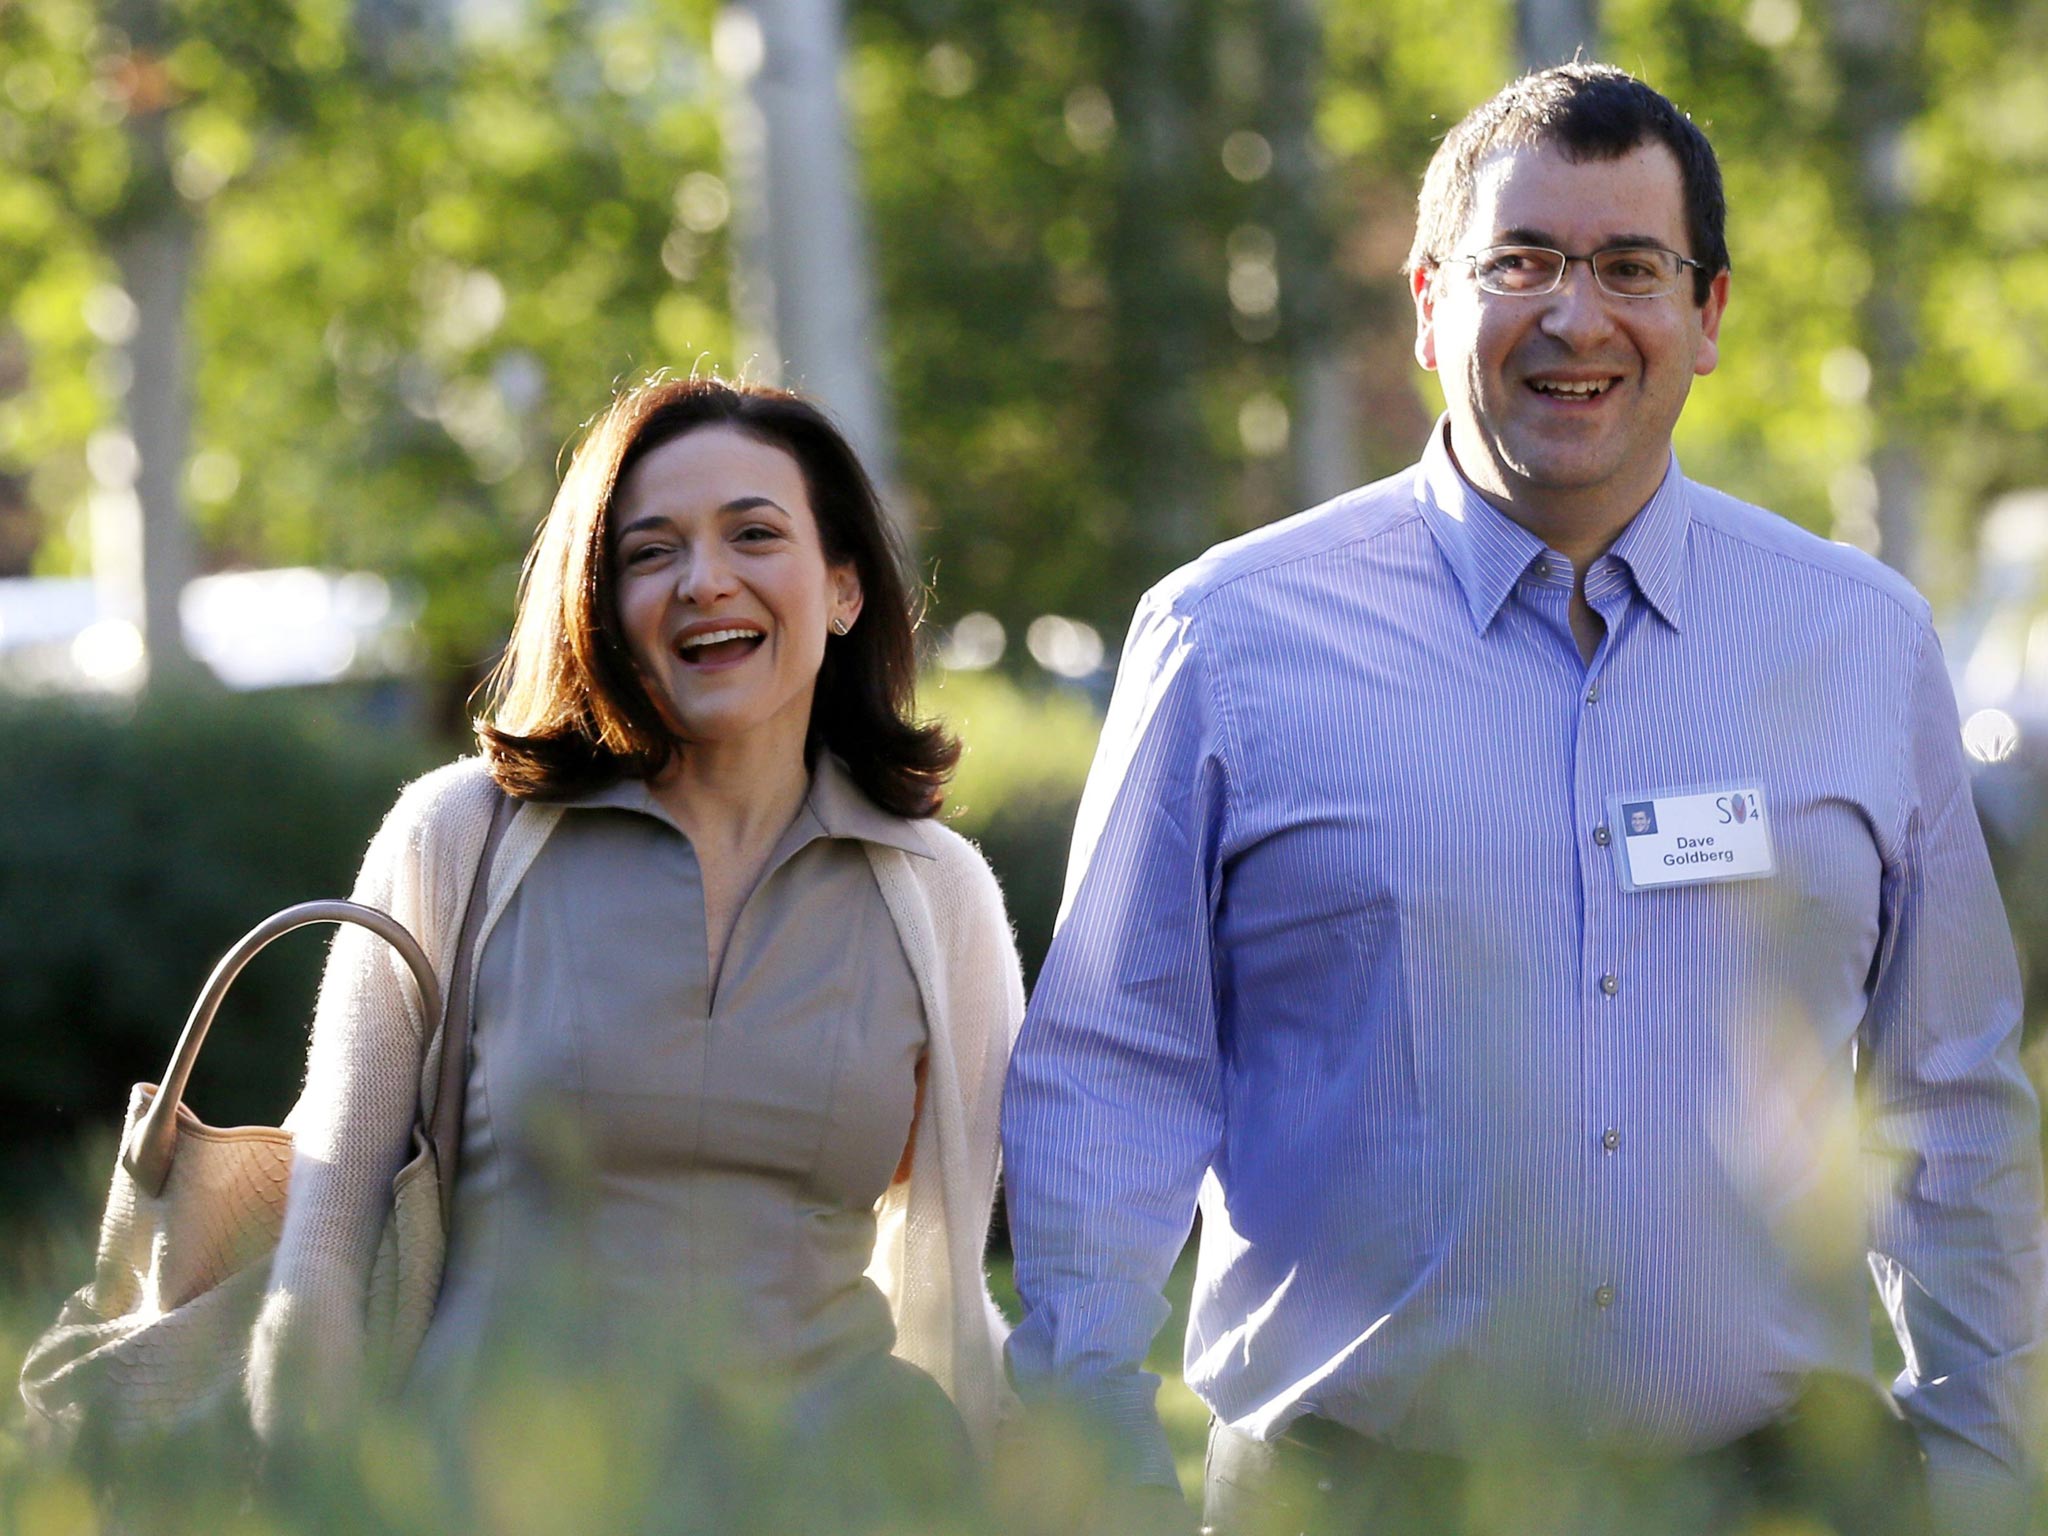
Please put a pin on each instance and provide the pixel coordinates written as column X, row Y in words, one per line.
column 1709, row 353
column 1421, row 282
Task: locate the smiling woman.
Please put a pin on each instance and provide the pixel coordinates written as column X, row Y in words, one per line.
column 741, row 1008
column 725, row 593
column 574, row 702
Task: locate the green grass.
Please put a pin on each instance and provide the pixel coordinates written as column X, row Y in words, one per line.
column 551, row 1430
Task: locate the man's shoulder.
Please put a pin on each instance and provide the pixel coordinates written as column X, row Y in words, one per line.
column 1338, row 529
column 1805, row 563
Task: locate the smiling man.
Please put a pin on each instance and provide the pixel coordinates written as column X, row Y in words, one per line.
column 1535, row 904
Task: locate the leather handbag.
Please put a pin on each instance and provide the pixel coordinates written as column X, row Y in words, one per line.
column 157, row 1343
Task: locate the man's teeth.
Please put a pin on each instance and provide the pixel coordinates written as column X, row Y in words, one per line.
column 1577, row 388
column 718, row 636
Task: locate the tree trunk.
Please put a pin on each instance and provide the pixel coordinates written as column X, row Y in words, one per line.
column 151, row 237
column 1159, row 291
column 1875, row 44
column 393, row 33
column 156, row 268
column 1551, row 31
column 1323, row 440
column 804, row 282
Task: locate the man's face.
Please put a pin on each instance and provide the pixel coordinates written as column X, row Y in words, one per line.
column 1574, row 458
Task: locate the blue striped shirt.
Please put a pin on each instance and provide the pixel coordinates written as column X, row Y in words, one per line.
column 1477, row 1131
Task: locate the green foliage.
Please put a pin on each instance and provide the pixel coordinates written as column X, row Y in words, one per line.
column 2022, row 866
column 649, row 1449
column 662, row 1446
column 458, row 279
column 1019, row 743
column 1057, row 236
column 427, row 254
column 1026, row 755
column 989, row 223
column 140, row 847
column 1811, row 386
column 414, row 285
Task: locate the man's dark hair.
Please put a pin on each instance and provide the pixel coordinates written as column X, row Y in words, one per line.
column 1591, row 112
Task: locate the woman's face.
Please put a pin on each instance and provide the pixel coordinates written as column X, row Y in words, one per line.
column 724, row 592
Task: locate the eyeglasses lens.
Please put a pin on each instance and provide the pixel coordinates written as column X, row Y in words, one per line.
column 1629, row 272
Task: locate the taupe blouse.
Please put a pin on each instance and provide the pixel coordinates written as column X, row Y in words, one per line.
column 654, row 1155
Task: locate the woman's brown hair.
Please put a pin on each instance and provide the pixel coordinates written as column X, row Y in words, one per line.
column 565, row 709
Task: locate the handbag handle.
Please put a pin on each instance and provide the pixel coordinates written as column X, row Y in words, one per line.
column 147, row 1157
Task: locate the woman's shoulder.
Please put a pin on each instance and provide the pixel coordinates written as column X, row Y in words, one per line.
column 446, row 797
column 955, row 861
column 961, row 890
column 447, row 808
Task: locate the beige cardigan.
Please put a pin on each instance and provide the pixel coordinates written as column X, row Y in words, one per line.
column 354, row 1121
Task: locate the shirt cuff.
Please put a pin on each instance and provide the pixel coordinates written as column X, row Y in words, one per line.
column 1148, row 1458
column 1120, row 1417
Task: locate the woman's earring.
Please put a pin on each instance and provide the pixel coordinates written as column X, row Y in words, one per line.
column 841, row 625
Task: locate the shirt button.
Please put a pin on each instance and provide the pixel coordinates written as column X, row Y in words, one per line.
column 1593, row 694
column 1603, row 1296
column 1600, row 834
column 1610, row 983
column 1610, row 1138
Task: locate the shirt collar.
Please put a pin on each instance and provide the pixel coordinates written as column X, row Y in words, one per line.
column 833, row 807
column 627, row 794
column 1652, row 546
column 843, row 811
column 1488, row 551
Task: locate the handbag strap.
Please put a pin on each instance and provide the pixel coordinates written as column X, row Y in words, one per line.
column 150, row 1148
column 444, row 1124
column 153, row 1144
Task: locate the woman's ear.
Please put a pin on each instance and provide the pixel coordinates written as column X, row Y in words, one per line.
column 847, row 597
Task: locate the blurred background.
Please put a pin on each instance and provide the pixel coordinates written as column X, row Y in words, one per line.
column 301, row 301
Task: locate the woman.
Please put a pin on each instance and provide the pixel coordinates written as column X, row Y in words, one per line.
column 741, row 1006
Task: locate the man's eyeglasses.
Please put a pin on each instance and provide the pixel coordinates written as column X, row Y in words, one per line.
column 1625, row 271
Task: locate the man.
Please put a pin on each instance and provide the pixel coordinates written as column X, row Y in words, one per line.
column 1536, row 900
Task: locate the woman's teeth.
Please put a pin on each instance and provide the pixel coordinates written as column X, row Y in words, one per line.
column 717, row 644
column 714, row 637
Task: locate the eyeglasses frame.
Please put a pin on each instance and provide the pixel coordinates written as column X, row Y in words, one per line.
column 1565, row 260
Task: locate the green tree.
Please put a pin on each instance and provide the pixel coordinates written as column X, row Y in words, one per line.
column 421, row 264
column 1128, row 254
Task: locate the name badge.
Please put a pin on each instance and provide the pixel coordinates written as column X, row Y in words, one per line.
column 1683, row 839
